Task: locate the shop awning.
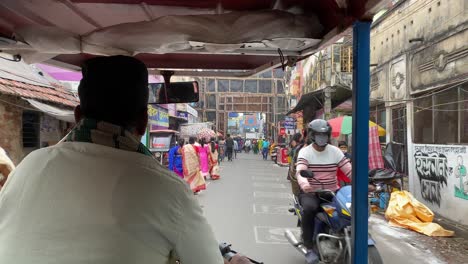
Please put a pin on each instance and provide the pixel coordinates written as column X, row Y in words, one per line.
column 60, row 114
column 316, row 99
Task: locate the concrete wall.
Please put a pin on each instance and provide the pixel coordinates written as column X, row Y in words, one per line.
column 405, row 70
column 11, row 129
column 414, row 19
column 440, row 180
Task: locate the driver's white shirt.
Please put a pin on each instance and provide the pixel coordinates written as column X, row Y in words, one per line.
column 87, row 203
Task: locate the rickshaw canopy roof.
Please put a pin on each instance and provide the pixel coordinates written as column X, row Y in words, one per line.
column 212, row 37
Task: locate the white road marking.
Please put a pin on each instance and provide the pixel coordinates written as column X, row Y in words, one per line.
column 270, row 185
column 271, row 209
column 273, row 235
column 264, row 178
column 281, row 195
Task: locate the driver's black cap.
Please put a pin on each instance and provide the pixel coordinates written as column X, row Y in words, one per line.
column 114, row 89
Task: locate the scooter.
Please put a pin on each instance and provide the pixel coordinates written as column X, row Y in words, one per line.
column 332, row 231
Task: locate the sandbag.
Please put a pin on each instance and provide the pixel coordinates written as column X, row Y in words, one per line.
column 407, row 212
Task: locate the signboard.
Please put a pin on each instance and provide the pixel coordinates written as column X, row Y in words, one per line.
column 161, row 143
column 289, row 123
column 157, row 117
column 172, row 109
column 187, row 108
column 183, row 115
column 192, row 111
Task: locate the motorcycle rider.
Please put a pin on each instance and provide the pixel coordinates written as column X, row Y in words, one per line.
column 323, row 159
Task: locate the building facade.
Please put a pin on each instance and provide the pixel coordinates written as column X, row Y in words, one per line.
column 263, row 94
column 35, row 111
column 419, row 50
column 419, row 92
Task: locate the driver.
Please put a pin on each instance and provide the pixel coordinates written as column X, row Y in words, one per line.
column 99, row 196
column 323, row 159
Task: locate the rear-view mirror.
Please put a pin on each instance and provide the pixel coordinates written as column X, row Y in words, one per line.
column 177, row 92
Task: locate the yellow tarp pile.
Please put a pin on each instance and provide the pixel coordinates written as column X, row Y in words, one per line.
column 405, row 211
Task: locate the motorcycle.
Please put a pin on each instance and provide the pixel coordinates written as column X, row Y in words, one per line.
column 384, row 182
column 332, row 231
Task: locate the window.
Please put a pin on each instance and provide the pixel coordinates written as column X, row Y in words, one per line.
column 264, row 86
column 266, row 74
column 31, row 129
column 211, row 85
column 211, row 101
column 278, row 73
column 210, row 116
column 279, row 87
column 347, row 58
column 281, row 106
column 251, row 86
column 445, row 113
column 378, row 116
column 223, row 85
column 236, row 85
column 422, row 117
column 441, row 118
column 399, row 125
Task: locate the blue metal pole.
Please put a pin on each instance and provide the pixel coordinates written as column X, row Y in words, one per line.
column 361, row 94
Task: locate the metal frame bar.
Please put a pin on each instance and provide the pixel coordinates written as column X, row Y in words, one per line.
column 361, row 95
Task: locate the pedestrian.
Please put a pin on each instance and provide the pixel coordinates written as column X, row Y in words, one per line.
column 260, row 146
column 341, row 177
column 265, row 148
column 236, row 148
column 248, row 144
column 255, row 146
column 221, row 149
column 229, row 147
column 213, row 158
column 203, row 153
column 344, row 148
column 175, row 158
column 297, row 143
column 191, row 165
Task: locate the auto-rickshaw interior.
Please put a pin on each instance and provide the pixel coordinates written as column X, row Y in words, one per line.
column 211, row 37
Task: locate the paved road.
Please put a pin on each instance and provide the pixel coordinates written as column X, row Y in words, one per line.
column 248, row 208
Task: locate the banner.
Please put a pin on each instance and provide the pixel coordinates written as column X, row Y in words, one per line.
column 157, row 117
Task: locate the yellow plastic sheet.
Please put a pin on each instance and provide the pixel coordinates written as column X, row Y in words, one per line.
column 407, row 212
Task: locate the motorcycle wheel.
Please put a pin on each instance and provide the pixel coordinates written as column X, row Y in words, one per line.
column 373, row 256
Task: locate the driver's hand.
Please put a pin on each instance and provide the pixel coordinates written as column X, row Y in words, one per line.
column 238, row 259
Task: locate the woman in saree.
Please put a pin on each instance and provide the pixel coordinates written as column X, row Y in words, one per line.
column 203, row 153
column 221, row 149
column 175, row 159
column 191, row 167
column 213, row 158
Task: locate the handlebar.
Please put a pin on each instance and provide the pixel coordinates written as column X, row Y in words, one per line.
column 228, row 253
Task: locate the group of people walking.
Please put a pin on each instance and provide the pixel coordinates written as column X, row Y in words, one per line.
column 195, row 162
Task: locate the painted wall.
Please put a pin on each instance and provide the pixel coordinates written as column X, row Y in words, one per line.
column 440, row 179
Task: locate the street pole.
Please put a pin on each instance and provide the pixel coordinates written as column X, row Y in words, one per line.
column 327, row 104
column 361, row 94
